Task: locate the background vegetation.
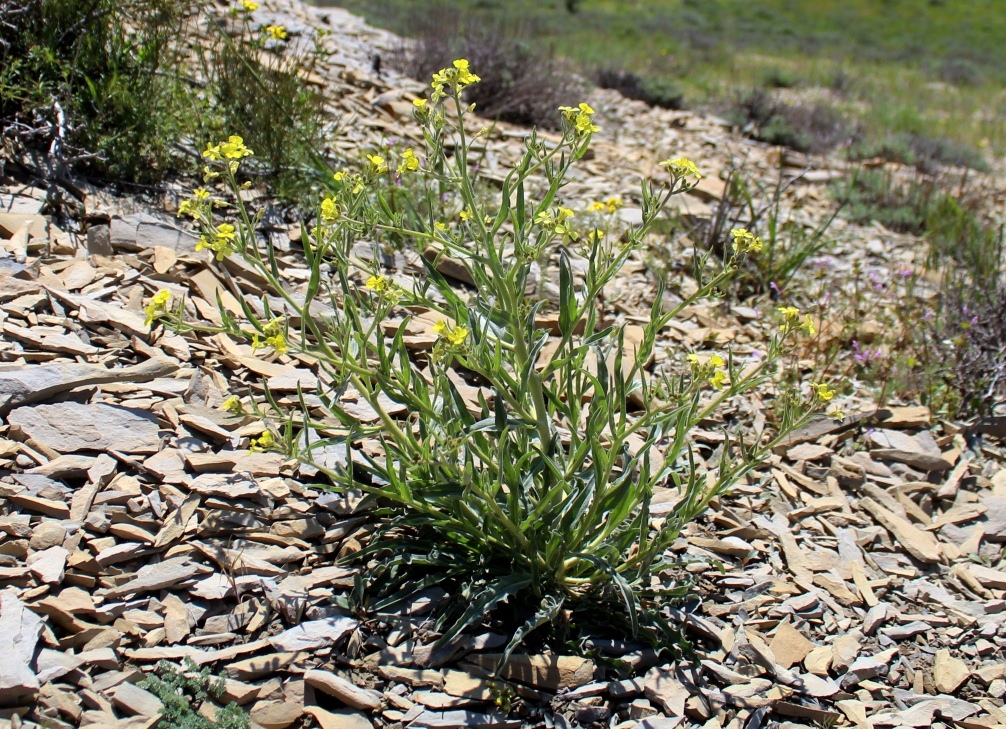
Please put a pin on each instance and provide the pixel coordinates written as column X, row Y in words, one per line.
column 906, row 72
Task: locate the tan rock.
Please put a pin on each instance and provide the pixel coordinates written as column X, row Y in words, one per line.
column 949, row 672
column 789, row 646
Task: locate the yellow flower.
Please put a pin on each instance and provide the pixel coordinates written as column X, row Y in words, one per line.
column 340, row 175
column 383, row 286
column 457, row 78
column 791, row 318
column 409, row 163
column 824, row 393
column 276, row 32
column 221, row 241
column 681, row 167
column 329, row 210
column 455, row 335
column 249, row 6
column 377, row 164
column 745, row 241
column 231, row 404
column 579, row 118
column 716, row 361
column 597, row 207
column 808, row 326
column 693, row 359
column 212, row 152
column 836, row 414
column 440, row 226
column 263, row 442
column 718, row 380
column 157, row 307
column 234, row 148
column 277, row 342
column 201, row 193
column 420, row 104
column 465, row 215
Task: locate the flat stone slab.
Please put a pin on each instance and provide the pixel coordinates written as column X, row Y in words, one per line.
column 68, row 427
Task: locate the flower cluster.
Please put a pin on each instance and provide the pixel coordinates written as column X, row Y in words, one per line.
column 384, row 287
column 272, row 336
column 409, row 163
column 329, row 210
column 221, row 241
column 196, row 205
column 232, row 405
column 264, row 442
column 579, row 119
column 745, row 241
column 377, row 165
column 453, row 335
column 157, row 307
column 233, row 149
column 557, row 221
column 713, row 371
column 681, row 168
column 456, row 78
column 609, row 206
column 793, row 320
column 276, row 32
column 249, row 6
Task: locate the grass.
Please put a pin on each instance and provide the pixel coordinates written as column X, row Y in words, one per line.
column 932, row 69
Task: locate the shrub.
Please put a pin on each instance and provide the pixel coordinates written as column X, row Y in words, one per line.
column 523, row 82
column 531, row 486
column 112, row 88
column 653, row 90
column 925, row 152
column 88, row 82
column 816, row 127
column 182, row 693
column 258, row 87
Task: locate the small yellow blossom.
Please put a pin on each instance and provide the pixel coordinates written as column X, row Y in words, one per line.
column 454, row 335
column 718, row 380
column 824, row 393
column 192, row 208
column 716, row 361
column 791, row 317
column 221, row 241
column 420, row 104
column 231, row 404
column 579, row 118
column 693, row 359
column 745, row 241
column 409, row 163
column 681, row 167
column 377, row 164
column 329, row 210
column 249, row 5
column 465, row 215
column 808, row 325
column 340, row 175
column 457, row 78
column 276, row 32
column 157, row 307
column 384, row 287
column 234, row 148
column 263, row 443
column 836, row 414
column 440, row 226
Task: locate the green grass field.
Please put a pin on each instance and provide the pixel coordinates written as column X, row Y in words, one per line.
column 925, row 67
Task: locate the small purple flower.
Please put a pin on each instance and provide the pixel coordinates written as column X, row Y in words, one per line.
column 974, row 319
column 775, row 287
column 928, row 316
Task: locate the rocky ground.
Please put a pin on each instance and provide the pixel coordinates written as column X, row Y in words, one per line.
column 851, row 580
